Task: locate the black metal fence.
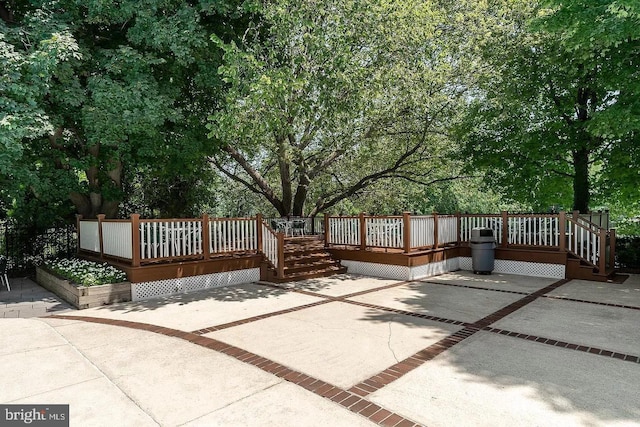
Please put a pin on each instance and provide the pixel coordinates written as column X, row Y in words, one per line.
column 628, row 254
column 26, row 247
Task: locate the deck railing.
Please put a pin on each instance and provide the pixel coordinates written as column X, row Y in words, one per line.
column 409, row 233
column 143, row 241
column 273, row 247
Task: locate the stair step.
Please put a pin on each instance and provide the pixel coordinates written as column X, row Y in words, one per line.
column 314, row 274
column 306, row 258
column 300, row 268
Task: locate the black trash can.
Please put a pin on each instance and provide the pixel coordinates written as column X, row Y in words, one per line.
column 483, row 248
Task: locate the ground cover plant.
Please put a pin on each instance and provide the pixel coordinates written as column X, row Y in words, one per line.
column 86, row 273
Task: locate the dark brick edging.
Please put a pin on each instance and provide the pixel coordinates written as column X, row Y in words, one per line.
column 347, row 399
column 325, row 299
column 605, row 304
column 354, row 398
column 401, row 368
column 259, row 317
column 555, row 343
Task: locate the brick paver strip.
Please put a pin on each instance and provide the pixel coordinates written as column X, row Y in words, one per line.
column 562, row 344
column 606, row 304
column 348, row 400
column 353, row 399
column 446, row 343
column 481, row 288
column 325, row 299
column 259, row 317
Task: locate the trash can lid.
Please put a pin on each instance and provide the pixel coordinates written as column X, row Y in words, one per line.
column 481, row 232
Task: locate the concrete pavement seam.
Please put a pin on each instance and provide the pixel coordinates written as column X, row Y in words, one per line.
column 102, row 373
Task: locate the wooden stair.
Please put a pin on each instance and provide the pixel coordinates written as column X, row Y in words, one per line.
column 577, row 268
column 304, row 258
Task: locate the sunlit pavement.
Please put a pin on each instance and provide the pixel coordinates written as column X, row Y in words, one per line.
column 455, row 349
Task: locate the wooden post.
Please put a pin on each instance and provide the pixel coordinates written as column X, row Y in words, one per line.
column 435, row 230
column 406, row 231
column 280, row 254
column 562, row 231
column 505, row 229
column 576, row 214
column 458, row 228
column 206, row 237
column 612, row 248
column 100, row 219
column 326, row 230
column 602, row 260
column 259, row 237
column 135, row 240
column 363, row 231
column 78, row 219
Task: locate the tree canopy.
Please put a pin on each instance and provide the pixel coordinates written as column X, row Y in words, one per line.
column 172, row 108
column 327, row 98
column 557, row 119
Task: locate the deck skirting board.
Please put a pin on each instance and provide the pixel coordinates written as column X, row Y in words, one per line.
column 504, row 266
column 401, row 272
column 523, row 268
column 158, row 288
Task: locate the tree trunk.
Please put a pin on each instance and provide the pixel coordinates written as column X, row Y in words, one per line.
column 581, row 180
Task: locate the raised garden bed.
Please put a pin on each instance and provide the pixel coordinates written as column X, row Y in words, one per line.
column 83, row 296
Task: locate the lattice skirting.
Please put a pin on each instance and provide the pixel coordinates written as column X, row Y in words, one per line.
column 144, row 290
column 399, row 272
column 523, row 268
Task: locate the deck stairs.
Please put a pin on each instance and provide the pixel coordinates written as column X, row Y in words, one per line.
column 579, row 268
column 304, row 258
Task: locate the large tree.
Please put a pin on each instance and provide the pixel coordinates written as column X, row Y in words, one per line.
column 326, row 98
column 131, row 92
column 560, row 114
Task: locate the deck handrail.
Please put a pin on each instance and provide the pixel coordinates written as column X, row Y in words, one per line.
column 272, row 246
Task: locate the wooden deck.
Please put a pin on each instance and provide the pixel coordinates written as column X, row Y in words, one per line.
column 151, row 250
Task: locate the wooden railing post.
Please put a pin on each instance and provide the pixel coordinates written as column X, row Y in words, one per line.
column 135, row 240
column 280, row 254
column 576, row 215
column 327, row 240
column 206, row 237
column 612, row 248
column 602, row 259
column 406, row 231
column 78, row 219
column 562, row 231
column 435, row 230
column 259, row 237
column 505, row 229
column 458, row 228
column 100, row 219
column 363, row 232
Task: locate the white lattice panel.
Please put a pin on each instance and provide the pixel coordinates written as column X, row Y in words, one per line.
column 465, row 263
column 434, row 268
column 157, row 288
column 522, row 268
column 385, row 271
column 453, row 264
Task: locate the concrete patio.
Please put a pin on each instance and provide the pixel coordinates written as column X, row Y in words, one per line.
column 456, row 349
